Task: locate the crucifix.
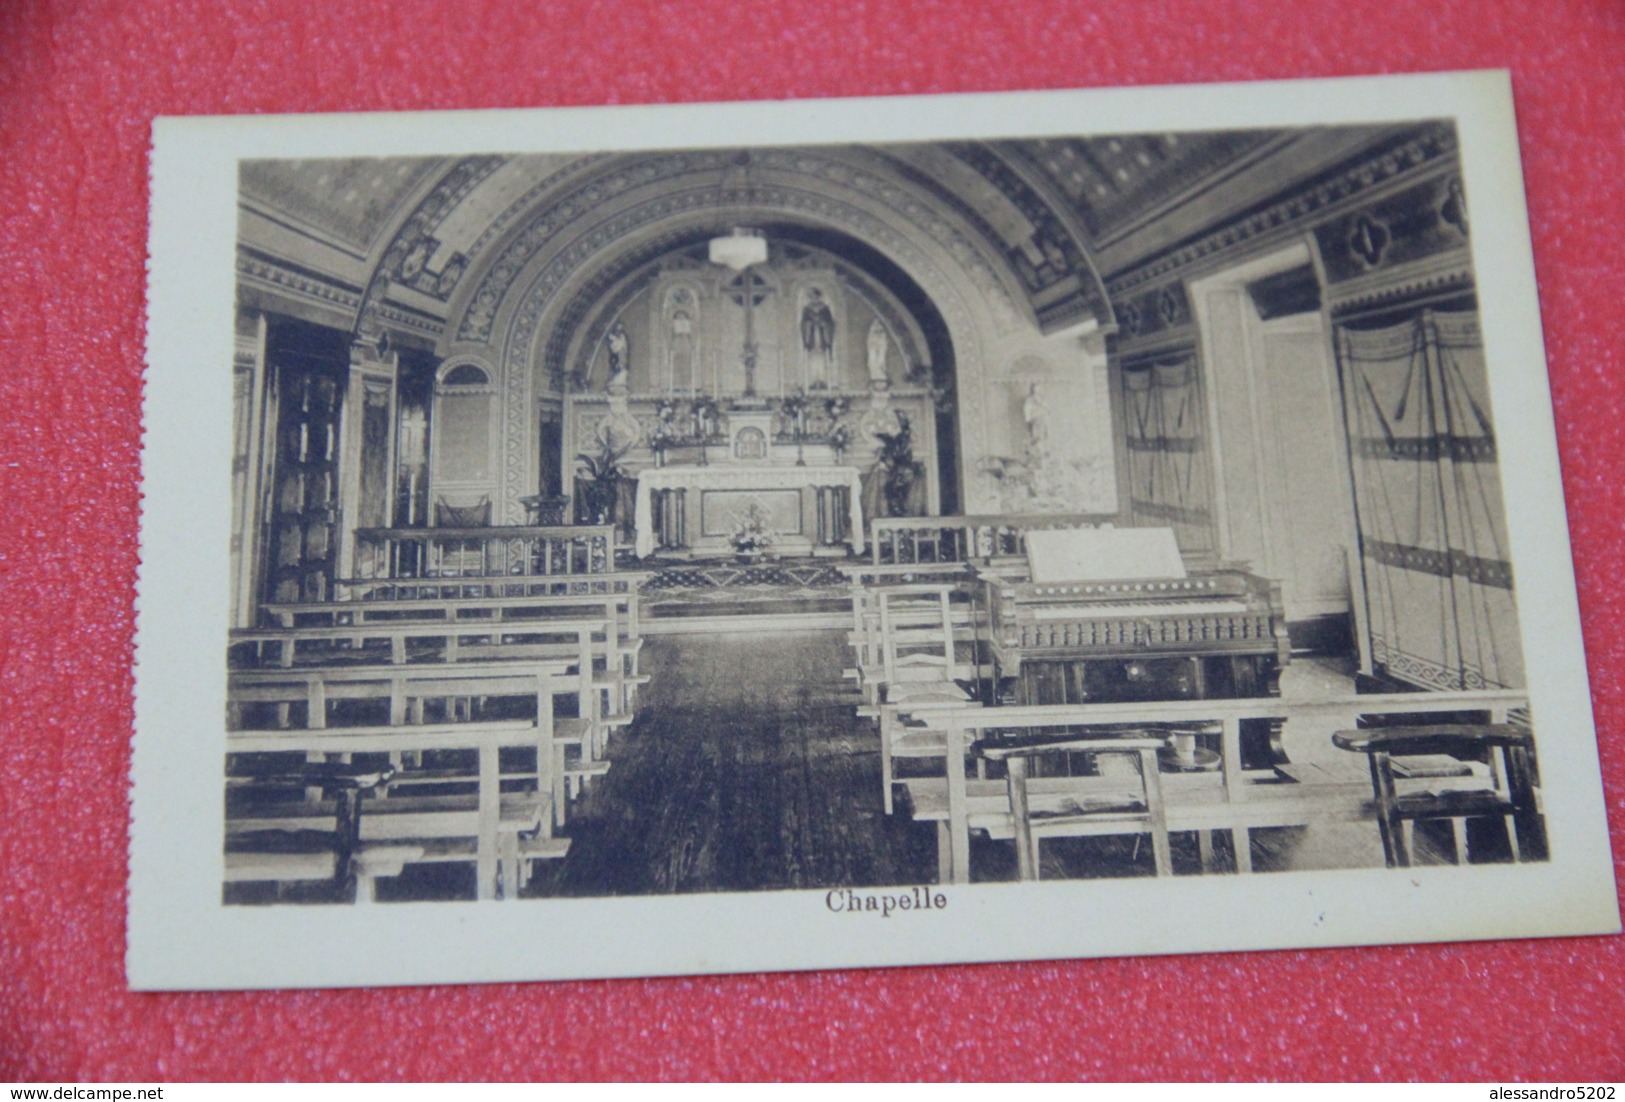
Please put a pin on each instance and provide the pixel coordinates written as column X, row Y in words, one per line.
column 745, row 291
column 739, row 249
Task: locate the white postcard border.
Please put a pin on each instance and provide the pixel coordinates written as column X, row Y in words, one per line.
column 182, row 936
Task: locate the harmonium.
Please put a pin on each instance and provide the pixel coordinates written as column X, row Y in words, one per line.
column 1118, row 615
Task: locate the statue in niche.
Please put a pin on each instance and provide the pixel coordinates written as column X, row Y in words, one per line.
column 877, row 356
column 1032, row 412
column 682, row 345
column 818, row 339
column 618, row 349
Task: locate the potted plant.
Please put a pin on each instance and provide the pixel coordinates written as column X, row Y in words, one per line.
column 598, row 479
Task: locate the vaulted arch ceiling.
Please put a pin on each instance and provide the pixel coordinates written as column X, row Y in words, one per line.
column 440, row 247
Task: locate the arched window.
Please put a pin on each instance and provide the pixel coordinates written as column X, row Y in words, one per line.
column 464, row 452
column 465, row 375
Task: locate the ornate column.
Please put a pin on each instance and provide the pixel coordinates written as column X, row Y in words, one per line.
column 366, row 496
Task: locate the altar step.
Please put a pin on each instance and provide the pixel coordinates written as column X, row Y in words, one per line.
column 800, row 573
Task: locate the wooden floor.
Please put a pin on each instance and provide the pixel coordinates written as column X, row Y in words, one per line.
column 747, row 769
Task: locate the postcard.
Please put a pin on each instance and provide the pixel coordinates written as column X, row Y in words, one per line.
column 765, row 536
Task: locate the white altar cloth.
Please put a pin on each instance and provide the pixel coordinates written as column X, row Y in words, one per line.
column 738, row 476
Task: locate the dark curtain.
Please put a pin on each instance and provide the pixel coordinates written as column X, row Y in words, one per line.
column 1169, row 481
column 1428, row 494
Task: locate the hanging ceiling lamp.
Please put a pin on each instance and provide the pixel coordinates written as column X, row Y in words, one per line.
column 739, row 249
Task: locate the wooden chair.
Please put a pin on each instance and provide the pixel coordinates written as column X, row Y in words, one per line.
column 1448, row 772
column 459, row 558
column 1096, row 807
column 919, row 650
column 920, row 667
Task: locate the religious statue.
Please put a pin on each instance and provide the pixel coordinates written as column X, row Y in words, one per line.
column 895, row 485
column 1032, row 412
column 618, row 350
column 818, row 338
column 877, row 355
column 682, row 348
column 619, row 430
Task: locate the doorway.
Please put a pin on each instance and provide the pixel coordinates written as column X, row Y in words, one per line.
column 1283, row 500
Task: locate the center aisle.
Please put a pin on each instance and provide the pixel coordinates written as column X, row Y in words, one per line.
column 746, row 770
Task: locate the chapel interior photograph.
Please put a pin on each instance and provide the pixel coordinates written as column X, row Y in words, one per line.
column 839, row 517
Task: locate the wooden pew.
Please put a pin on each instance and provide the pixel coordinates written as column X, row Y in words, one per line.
column 498, row 831
column 925, row 653
column 601, row 699
column 1232, row 799
column 865, row 584
column 619, row 608
column 337, row 857
column 441, row 640
column 407, row 689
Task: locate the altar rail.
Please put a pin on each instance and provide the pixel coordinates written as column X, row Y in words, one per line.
column 496, row 552
column 898, row 541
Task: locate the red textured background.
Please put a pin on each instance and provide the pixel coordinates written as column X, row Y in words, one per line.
column 79, row 85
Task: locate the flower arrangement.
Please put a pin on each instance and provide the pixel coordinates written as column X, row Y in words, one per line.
column 837, row 407
column 751, row 534
column 795, row 408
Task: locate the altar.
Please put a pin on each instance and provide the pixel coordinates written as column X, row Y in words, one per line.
column 698, row 510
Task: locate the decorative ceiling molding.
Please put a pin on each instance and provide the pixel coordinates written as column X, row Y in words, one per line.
column 712, row 180
column 1053, row 255
column 527, row 202
column 416, row 234
column 295, row 282
column 1451, row 271
column 406, row 318
column 1435, row 142
column 343, row 200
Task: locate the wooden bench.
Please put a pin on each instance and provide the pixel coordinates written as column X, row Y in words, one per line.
column 486, row 827
column 337, row 857
column 407, row 689
column 618, row 607
column 439, row 640
column 604, row 691
column 1232, row 799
